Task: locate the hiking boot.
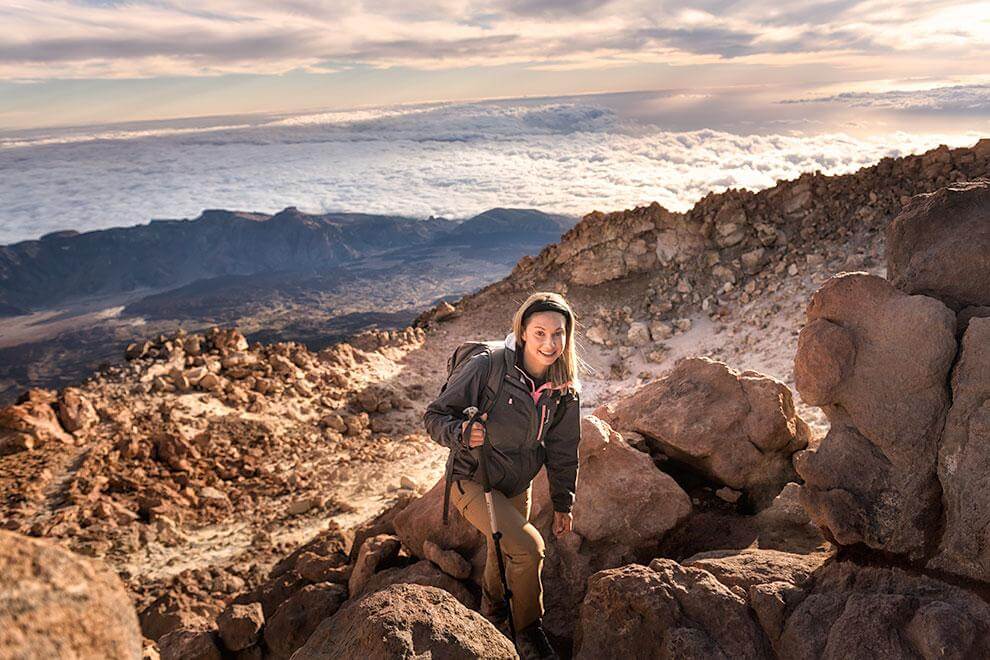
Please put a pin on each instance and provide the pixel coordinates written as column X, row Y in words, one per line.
column 532, row 643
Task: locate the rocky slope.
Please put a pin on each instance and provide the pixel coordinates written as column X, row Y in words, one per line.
column 718, row 545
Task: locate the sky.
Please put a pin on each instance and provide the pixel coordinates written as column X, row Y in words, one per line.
column 113, row 113
column 107, row 61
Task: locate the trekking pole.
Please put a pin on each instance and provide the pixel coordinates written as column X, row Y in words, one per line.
column 472, row 413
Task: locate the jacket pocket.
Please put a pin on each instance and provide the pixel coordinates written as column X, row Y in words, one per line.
column 503, row 468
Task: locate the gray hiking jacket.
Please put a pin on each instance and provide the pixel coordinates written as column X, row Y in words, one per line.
column 528, row 428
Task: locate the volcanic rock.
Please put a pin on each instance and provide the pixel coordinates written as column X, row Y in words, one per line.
column 872, row 479
column 297, row 618
column 406, row 621
column 963, row 456
column 939, row 245
column 665, row 611
column 56, row 604
column 738, row 429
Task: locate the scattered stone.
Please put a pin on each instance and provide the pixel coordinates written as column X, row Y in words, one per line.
column 189, row 645
column 665, row 611
column 449, row 561
column 240, row 625
column 375, row 551
column 728, row 494
column 75, row 411
column 30, row 423
column 425, row 573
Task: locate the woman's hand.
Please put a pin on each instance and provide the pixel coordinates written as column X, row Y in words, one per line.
column 562, row 522
column 477, row 433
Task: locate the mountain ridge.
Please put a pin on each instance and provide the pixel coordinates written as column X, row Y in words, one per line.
column 67, row 265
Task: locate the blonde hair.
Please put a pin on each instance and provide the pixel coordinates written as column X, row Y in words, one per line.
column 564, row 370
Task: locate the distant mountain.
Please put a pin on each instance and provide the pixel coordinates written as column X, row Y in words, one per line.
column 511, row 225
column 167, row 254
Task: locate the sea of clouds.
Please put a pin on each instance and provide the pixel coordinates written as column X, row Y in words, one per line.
column 455, row 160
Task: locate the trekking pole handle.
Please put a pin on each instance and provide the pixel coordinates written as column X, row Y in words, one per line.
column 472, row 414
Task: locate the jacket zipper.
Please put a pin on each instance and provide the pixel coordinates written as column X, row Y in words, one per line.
column 543, row 412
column 543, row 408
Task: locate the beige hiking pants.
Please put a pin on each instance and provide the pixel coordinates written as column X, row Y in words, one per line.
column 522, row 548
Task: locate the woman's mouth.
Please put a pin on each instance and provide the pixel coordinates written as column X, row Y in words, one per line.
column 548, row 355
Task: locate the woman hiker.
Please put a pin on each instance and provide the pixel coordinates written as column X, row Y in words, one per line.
column 534, row 421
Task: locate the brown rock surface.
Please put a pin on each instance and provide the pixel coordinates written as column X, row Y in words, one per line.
column 406, row 621
column 75, row 411
column 623, row 507
column 424, row 573
column 749, row 567
column 665, row 611
column 448, row 561
column 738, row 429
column 56, row 604
column 874, row 612
column 872, row 479
column 375, row 551
column 422, row 519
column 239, row 625
column 186, row 644
column 30, row 423
column 963, row 458
column 939, row 245
column 297, row 618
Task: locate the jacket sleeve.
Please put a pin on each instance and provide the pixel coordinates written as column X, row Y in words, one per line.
column 562, row 442
column 444, row 415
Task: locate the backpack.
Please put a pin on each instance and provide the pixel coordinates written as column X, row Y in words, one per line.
column 489, row 395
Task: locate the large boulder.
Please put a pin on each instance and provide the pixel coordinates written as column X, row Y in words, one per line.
column 872, row 479
column 406, row 621
column 621, row 496
column 623, row 507
column 875, row 612
column 963, row 459
column 665, row 611
column 422, row 520
column 939, row 245
column 31, row 422
column 737, row 429
column 55, row 604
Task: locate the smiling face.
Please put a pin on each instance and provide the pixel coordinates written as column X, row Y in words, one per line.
column 543, row 340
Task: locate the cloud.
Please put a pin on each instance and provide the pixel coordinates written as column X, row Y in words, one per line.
column 567, row 155
column 63, row 39
column 963, row 99
column 554, row 7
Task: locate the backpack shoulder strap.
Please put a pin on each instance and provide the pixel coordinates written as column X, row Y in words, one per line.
column 495, row 379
